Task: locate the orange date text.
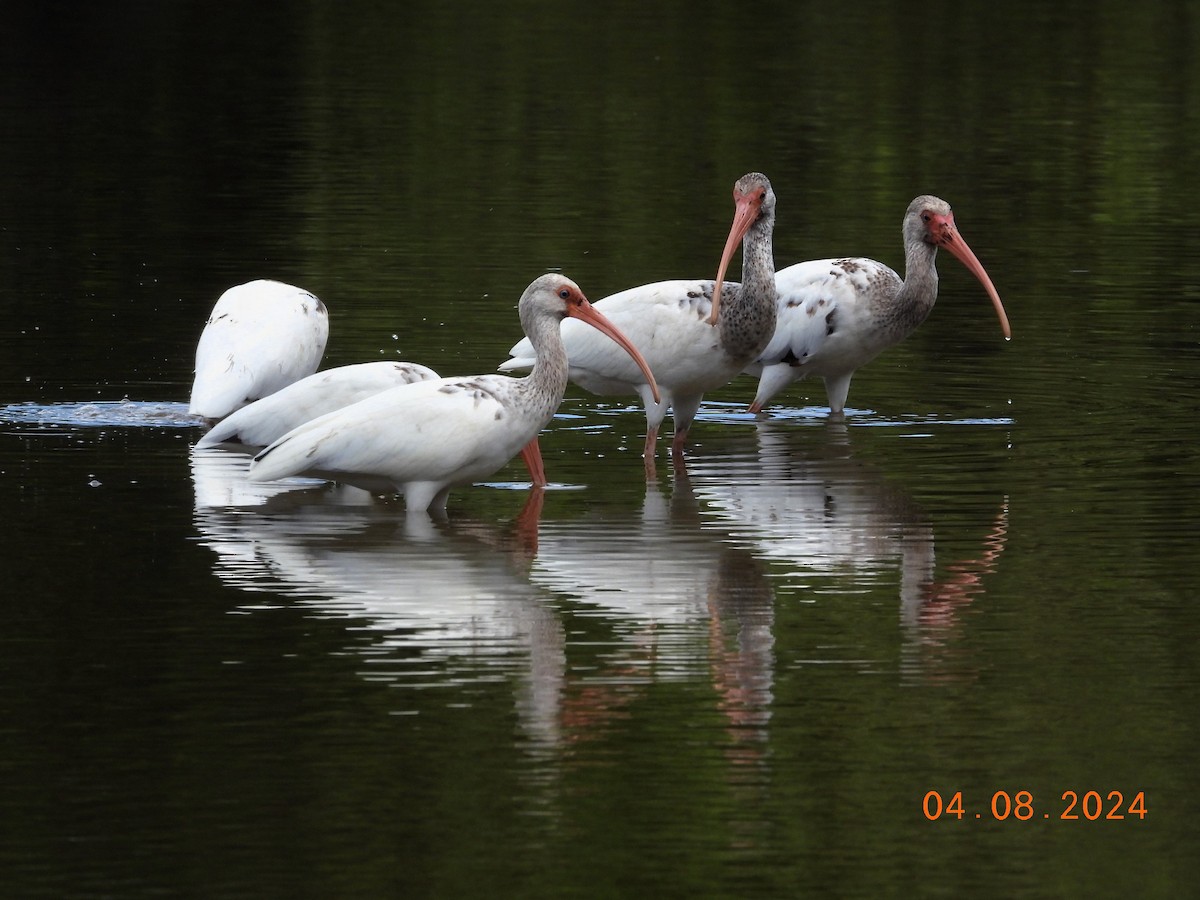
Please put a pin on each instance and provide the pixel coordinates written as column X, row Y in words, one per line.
column 1090, row 806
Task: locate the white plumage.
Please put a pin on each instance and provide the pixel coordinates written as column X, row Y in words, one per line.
column 261, row 336
column 270, row 418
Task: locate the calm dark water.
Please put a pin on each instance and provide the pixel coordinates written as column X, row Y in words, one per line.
column 741, row 680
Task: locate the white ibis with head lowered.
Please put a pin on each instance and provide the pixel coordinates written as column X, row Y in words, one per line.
column 696, row 335
column 260, row 337
column 836, row 315
column 270, row 418
column 424, row 438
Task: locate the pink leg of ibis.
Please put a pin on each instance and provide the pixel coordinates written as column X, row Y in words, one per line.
column 678, row 443
column 532, row 454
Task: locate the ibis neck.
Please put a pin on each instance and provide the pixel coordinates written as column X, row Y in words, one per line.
column 747, row 319
column 914, row 301
column 547, row 380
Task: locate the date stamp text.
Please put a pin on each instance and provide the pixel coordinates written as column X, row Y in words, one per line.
column 1090, row 806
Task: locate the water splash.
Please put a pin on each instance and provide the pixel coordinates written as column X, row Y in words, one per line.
column 101, row 414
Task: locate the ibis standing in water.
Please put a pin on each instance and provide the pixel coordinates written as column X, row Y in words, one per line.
column 261, row 336
column 836, row 315
column 424, row 438
column 695, row 335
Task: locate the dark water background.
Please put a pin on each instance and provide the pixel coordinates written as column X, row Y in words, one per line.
column 741, row 682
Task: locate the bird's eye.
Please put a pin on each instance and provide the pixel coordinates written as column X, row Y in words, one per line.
column 925, row 217
column 565, row 293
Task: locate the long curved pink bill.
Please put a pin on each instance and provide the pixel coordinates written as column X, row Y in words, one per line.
column 597, row 320
column 745, row 214
column 953, row 241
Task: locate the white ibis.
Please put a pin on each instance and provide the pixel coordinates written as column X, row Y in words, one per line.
column 266, row 336
column 836, row 315
column 693, row 339
column 270, row 418
column 425, row 438
column 261, row 336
